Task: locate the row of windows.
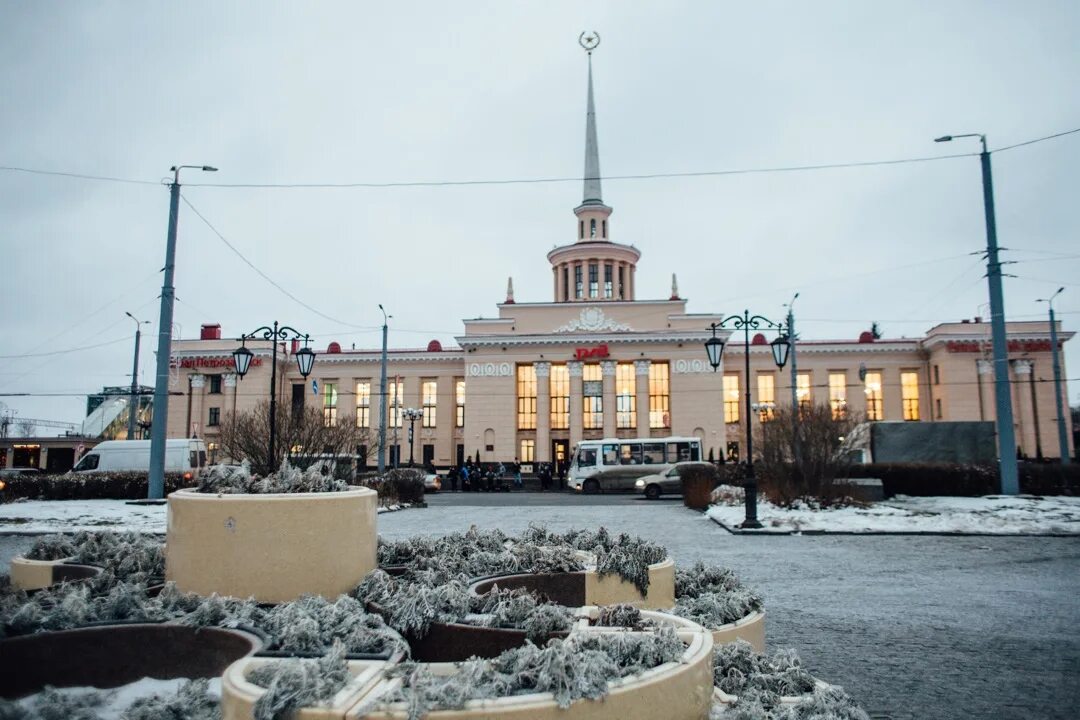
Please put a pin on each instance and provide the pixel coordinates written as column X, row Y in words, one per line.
column 607, row 291
column 395, row 392
column 872, row 387
column 592, row 383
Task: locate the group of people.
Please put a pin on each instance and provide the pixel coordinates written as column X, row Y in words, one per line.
column 496, row 477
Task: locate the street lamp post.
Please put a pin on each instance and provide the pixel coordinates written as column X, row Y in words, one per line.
column 305, row 360
column 133, row 406
column 1063, row 438
column 1010, row 482
column 714, row 348
column 156, row 483
column 412, row 415
column 382, row 398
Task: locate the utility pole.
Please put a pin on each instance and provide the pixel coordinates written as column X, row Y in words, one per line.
column 1010, row 476
column 382, row 399
column 796, row 440
column 133, row 401
column 1063, row 438
column 156, row 484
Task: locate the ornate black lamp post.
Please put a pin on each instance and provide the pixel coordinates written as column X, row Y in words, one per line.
column 412, row 415
column 305, row 360
column 714, row 348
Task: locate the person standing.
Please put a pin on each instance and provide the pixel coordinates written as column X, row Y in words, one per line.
column 517, row 475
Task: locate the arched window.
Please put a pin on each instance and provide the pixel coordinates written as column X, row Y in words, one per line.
column 592, row 228
column 581, row 229
column 603, row 229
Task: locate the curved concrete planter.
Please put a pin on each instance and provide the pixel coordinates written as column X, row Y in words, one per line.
column 723, row 700
column 750, row 628
column 588, row 587
column 38, row 574
column 108, row 656
column 273, row 547
column 678, row 690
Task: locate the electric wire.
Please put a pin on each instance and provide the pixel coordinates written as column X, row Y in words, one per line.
column 67, row 351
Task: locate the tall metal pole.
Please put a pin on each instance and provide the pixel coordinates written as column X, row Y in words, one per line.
column 133, row 402
column 271, row 464
column 156, row 484
column 1063, row 438
column 796, row 441
column 382, row 400
column 1010, row 480
column 750, row 486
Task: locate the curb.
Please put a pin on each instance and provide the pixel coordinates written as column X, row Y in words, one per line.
column 734, row 530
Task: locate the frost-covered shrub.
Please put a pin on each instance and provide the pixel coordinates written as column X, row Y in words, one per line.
column 193, row 701
column 626, row 616
column 296, row 683
column 738, row 669
column 830, row 703
column 226, row 480
column 581, row 666
column 87, row 486
column 545, row 559
column 521, row 610
column 712, row 596
column 406, row 484
column 630, row 558
column 51, row 547
column 411, row 607
column 312, row 624
column 128, row 556
column 52, row 704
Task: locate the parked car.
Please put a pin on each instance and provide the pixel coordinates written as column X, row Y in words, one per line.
column 432, row 482
column 666, row 482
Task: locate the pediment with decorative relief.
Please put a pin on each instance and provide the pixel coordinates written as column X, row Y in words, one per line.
column 593, row 319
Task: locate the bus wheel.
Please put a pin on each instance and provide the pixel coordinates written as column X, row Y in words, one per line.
column 652, row 492
column 590, row 487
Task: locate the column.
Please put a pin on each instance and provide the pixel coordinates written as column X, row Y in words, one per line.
column 607, row 370
column 1024, row 438
column 195, row 409
column 632, row 280
column 576, row 390
column 641, row 388
column 543, row 411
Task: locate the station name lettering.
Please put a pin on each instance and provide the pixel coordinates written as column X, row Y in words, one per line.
column 600, row 351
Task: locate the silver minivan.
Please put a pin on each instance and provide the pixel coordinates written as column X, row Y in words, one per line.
column 666, row 482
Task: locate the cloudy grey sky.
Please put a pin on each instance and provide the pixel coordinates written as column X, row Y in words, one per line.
column 436, row 91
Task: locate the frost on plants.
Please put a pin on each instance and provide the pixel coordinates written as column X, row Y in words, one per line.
column 51, row 704
column 830, row 703
column 222, row 480
column 51, row 547
column 712, row 596
column 312, row 624
column 626, row 616
column 193, row 701
column 738, row 669
column 411, row 606
column 295, row 683
column 522, row 610
column 630, row 558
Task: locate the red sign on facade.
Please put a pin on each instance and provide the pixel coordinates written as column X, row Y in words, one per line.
column 1015, row 346
column 600, row 351
column 213, row 362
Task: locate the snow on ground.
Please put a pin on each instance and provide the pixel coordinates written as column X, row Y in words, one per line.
column 991, row 514
column 45, row 516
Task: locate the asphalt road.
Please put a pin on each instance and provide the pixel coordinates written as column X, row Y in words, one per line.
column 913, row 627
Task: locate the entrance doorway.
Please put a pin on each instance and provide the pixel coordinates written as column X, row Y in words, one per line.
column 560, row 453
column 27, row 456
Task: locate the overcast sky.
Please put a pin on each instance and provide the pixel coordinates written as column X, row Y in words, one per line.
column 437, row 91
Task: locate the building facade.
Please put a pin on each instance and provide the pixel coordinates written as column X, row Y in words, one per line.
column 597, row 362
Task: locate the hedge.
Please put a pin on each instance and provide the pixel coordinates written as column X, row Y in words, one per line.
column 88, row 486
column 925, row 479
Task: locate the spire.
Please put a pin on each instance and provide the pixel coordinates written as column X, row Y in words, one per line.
column 509, row 290
column 592, row 195
column 674, row 288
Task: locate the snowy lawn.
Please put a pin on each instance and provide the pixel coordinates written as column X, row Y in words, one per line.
column 48, row 516
column 991, row 514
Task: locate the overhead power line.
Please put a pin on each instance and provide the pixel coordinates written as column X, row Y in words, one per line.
column 524, row 181
column 64, row 352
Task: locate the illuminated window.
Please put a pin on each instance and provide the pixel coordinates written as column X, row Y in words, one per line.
column 579, row 286
column 594, row 280
column 593, row 392
column 363, row 403
column 459, row 397
column 802, row 391
column 731, row 398
column 625, row 396
column 766, row 396
column 429, row 392
column 838, row 395
column 528, row 451
column 609, row 289
column 330, row 404
column 393, row 403
column 873, row 396
column 560, row 397
column 526, row 397
column 909, row 393
column 659, row 395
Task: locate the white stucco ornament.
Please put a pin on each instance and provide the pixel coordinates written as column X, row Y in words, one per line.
column 490, row 369
column 592, row 319
column 691, row 366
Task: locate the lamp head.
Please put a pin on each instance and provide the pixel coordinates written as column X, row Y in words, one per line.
column 781, row 347
column 242, row 360
column 714, row 350
column 207, row 168
column 943, row 138
column 305, row 360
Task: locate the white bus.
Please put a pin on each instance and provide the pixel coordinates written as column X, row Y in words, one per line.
column 614, row 464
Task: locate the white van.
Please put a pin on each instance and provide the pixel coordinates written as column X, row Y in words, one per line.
column 181, row 456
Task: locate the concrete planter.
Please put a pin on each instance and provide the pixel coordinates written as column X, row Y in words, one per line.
column 238, row 695
column 108, row 656
column 750, row 628
column 724, row 701
column 588, row 587
column 274, row 547
column 38, row 574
